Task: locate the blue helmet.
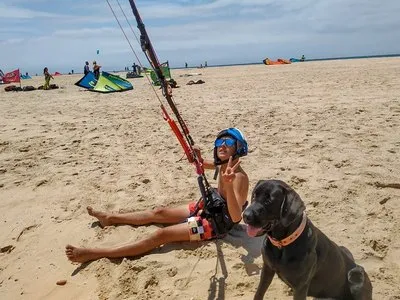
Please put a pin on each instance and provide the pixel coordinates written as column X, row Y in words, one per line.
column 241, row 144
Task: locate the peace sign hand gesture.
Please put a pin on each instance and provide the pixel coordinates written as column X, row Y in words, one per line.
column 229, row 174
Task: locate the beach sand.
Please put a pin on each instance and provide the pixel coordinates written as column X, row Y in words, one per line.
column 331, row 129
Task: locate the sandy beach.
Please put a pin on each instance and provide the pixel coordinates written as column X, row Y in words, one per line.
column 330, row 129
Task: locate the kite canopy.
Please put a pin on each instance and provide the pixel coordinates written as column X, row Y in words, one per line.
column 107, row 83
column 165, row 70
column 280, row 61
column 297, row 59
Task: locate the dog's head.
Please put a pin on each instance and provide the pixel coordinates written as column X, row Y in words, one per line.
column 272, row 202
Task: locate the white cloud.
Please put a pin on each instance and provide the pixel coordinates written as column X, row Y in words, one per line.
column 13, row 12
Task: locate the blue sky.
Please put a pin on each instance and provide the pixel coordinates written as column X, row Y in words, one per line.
column 62, row 34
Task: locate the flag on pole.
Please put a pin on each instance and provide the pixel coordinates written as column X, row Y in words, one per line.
column 13, row 76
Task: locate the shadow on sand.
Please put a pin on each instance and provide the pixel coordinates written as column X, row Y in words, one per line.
column 237, row 237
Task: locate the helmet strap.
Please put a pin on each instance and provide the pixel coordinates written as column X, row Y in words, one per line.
column 216, row 172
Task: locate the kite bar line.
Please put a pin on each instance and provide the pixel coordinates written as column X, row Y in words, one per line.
column 130, row 44
column 182, row 133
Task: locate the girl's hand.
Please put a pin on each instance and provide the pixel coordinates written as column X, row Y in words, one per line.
column 198, row 154
column 229, row 174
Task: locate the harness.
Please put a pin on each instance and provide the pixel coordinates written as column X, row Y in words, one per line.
column 216, row 212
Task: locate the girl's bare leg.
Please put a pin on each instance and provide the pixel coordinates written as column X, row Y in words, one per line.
column 173, row 233
column 158, row 215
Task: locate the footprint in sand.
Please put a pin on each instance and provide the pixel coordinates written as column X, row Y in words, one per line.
column 151, row 282
column 296, row 181
column 41, row 182
column 24, row 149
column 380, row 247
column 7, row 249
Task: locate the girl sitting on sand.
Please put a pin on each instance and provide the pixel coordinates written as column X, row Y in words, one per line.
column 187, row 222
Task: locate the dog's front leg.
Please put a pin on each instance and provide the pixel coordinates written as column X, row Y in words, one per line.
column 300, row 293
column 265, row 280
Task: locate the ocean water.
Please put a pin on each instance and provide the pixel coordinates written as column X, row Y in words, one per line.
column 307, row 59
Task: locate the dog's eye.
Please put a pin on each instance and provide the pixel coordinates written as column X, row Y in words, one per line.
column 253, row 197
column 267, row 200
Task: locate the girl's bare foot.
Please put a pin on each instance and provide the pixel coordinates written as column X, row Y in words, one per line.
column 104, row 218
column 81, row 255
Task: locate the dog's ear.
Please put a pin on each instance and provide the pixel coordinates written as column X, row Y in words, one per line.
column 258, row 184
column 292, row 207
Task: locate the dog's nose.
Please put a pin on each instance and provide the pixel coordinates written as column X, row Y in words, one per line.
column 247, row 216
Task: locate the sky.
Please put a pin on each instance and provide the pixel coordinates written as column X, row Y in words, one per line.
column 63, row 34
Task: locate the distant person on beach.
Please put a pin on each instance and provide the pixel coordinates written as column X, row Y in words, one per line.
column 187, row 222
column 86, row 68
column 96, row 69
column 186, row 65
column 134, row 68
column 47, row 77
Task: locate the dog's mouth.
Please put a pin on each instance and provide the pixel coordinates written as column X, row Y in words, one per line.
column 253, row 231
column 257, row 231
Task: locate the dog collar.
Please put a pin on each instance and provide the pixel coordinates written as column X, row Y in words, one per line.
column 291, row 238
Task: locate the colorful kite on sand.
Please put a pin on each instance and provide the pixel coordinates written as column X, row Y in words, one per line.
column 107, row 83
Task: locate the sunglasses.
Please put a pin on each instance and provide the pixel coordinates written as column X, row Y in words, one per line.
column 228, row 142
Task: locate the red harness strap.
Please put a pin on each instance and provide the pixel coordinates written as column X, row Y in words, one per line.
column 188, row 152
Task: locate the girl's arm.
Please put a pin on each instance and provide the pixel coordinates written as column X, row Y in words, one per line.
column 236, row 194
column 236, row 186
column 208, row 164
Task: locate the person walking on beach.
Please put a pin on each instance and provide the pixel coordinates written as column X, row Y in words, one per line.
column 187, row 222
column 86, row 68
column 47, row 77
column 96, row 69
